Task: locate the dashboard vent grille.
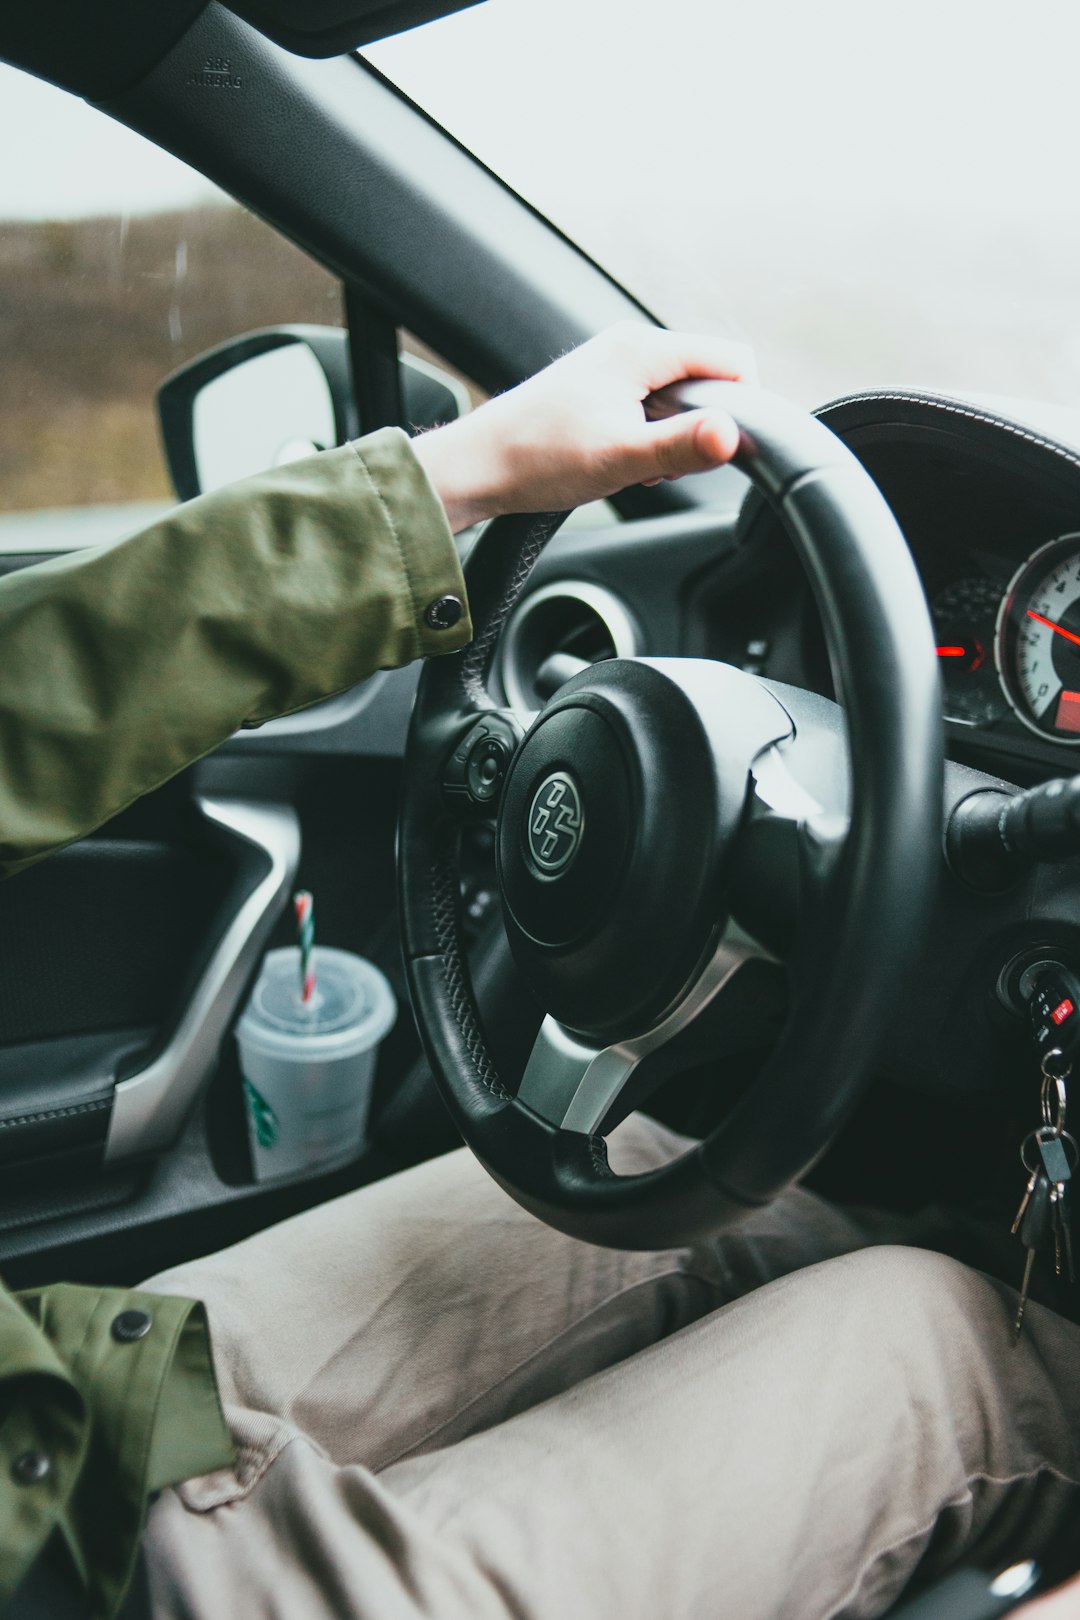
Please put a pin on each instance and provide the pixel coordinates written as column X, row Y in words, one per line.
column 555, row 633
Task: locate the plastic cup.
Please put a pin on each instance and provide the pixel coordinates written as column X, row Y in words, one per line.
column 308, row 1070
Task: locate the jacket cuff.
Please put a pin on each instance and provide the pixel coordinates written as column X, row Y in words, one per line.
column 417, row 523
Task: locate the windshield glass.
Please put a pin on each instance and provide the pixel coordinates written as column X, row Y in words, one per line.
column 117, row 265
column 869, row 195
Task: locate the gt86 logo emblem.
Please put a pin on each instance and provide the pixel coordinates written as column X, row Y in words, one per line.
column 556, row 822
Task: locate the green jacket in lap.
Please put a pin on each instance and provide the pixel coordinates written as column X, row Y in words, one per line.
column 119, row 666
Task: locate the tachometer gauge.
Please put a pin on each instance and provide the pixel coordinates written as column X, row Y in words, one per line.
column 1038, row 640
column 964, row 614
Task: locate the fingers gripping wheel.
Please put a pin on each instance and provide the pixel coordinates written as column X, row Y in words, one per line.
column 660, row 822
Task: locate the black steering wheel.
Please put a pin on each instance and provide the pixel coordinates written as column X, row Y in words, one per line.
column 661, row 823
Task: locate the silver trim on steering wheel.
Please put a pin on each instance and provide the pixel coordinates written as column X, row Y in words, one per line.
column 574, row 1086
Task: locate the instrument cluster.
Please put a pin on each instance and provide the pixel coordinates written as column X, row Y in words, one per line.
column 1013, row 645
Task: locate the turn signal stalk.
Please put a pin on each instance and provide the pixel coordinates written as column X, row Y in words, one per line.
column 993, row 838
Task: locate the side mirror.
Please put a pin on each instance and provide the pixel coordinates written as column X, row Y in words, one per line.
column 274, row 396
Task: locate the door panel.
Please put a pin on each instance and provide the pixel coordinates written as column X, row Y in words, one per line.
column 126, row 957
column 122, row 961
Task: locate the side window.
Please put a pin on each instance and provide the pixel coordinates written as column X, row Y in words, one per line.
column 471, row 394
column 117, row 265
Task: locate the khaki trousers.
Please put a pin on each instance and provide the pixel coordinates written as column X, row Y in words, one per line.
column 444, row 1408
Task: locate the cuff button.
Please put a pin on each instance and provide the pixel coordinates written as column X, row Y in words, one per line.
column 130, row 1326
column 30, row 1468
column 443, row 613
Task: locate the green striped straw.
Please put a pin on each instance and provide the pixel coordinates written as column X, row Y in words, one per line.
column 304, row 906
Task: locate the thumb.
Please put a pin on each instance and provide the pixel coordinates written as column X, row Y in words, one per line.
column 693, row 441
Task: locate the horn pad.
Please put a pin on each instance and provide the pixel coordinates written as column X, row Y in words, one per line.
column 614, row 822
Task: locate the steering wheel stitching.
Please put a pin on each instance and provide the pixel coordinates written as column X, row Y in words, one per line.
column 660, row 824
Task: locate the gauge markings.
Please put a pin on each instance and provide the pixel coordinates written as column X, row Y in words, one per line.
column 964, row 614
column 1038, row 640
column 1056, row 628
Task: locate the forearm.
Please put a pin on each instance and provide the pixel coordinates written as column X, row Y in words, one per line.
column 122, row 665
column 119, row 667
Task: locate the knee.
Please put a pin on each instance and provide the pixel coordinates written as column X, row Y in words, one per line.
column 896, row 1289
column 939, row 1325
column 881, row 1269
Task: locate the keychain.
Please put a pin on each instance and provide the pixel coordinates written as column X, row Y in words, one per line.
column 1049, row 1154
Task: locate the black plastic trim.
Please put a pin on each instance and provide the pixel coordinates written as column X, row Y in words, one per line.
column 176, row 395
column 326, row 27
column 94, row 50
column 346, row 167
column 847, row 968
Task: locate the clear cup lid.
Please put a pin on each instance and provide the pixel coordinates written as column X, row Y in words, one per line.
column 352, row 1009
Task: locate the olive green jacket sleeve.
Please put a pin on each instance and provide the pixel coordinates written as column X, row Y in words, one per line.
column 122, row 664
column 119, row 666
column 106, row 1395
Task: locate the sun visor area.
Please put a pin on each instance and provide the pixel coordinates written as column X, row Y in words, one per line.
column 101, row 48
column 95, row 48
column 328, row 27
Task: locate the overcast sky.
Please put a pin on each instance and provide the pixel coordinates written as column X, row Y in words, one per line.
column 862, row 190
column 841, row 99
column 814, row 97
column 62, row 159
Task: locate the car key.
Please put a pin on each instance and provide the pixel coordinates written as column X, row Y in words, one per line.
column 1054, row 1009
column 1033, row 1164
column 1036, row 1161
column 1055, row 1148
column 1035, row 1227
column 1057, row 1227
column 1065, row 1237
column 1025, row 1201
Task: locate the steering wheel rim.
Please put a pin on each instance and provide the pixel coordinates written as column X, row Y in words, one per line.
column 849, row 974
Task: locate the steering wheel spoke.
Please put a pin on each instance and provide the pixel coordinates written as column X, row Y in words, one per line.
column 580, row 1086
column 797, row 823
column 570, row 1083
column 647, row 802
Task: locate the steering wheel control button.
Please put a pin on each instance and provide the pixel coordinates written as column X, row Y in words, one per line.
column 556, row 823
column 131, row 1326
column 30, row 1468
column 444, row 613
column 486, row 768
column 476, row 770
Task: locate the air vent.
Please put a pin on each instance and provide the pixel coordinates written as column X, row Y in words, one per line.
column 555, row 633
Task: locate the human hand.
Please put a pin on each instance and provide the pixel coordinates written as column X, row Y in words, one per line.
column 577, row 431
column 1061, row 1604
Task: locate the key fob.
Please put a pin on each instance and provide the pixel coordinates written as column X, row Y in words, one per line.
column 1035, row 1225
column 1055, row 1011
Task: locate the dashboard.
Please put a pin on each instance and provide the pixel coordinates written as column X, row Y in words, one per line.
column 989, row 505
column 990, row 508
column 1014, row 646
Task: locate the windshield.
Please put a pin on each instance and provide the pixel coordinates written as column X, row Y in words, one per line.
column 869, row 195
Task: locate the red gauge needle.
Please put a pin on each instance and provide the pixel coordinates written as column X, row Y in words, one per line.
column 1056, row 628
column 973, row 655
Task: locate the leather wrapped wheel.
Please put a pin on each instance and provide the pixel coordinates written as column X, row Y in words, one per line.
column 663, row 822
